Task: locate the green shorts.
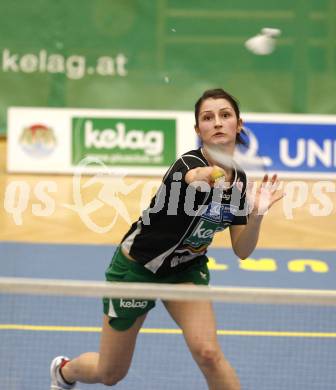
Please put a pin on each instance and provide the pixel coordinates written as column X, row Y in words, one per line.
column 124, row 312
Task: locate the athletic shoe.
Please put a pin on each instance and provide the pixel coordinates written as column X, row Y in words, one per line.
column 57, row 382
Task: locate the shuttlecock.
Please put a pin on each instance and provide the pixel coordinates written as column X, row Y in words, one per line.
column 264, row 42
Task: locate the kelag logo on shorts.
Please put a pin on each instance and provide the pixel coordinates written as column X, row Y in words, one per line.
column 133, row 304
column 121, row 141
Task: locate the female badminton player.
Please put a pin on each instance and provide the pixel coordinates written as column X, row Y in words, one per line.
column 168, row 244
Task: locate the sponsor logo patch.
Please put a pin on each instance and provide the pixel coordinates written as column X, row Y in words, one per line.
column 38, row 140
column 133, row 304
column 124, row 141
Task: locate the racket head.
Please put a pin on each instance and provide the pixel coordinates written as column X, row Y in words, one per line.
column 244, row 159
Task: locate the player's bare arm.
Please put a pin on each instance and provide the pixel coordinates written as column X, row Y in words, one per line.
column 244, row 238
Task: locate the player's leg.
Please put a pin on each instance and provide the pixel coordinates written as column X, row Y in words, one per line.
column 112, row 362
column 116, row 351
column 197, row 321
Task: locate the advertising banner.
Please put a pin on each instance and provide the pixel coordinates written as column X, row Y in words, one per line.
column 46, row 140
column 147, row 142
column 162, row 55
column 302, row 146
column 124, row 141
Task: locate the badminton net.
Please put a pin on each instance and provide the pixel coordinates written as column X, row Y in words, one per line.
column 275, row 338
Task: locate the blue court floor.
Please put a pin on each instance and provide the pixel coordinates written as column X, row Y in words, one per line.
column 272, row 347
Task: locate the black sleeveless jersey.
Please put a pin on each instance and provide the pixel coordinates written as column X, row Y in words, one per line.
column 179, row 225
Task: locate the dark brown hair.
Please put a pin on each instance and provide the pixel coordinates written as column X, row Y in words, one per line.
column 219, row 93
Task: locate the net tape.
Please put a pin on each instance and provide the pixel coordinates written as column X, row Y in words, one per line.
column 180, row 292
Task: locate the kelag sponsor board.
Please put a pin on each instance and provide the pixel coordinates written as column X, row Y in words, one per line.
column 124, row 141
column 50, row 140
column 146, row 54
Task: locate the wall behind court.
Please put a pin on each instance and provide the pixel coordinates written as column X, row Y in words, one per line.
column 146, row 54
